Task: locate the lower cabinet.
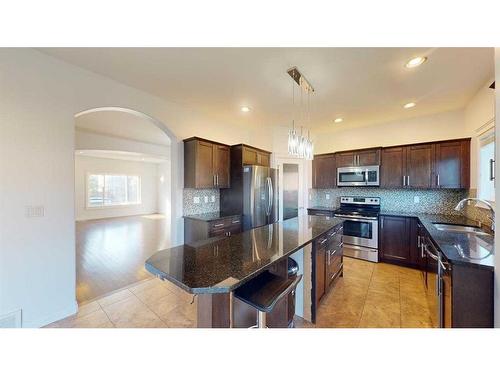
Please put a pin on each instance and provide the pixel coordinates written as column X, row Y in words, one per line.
column 198, row 230
column 327, row 266
column 398, row 241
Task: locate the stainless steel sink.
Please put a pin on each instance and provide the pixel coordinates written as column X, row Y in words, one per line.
column 460, row 228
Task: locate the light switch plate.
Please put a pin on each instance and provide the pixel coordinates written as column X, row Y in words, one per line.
column 416, row 199
column 212, row 198
column 196, row 200
column 327, row 196
column 205, row 199
column 34, row 211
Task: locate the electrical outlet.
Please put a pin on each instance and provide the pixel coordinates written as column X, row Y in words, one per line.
column 212, row 198
column 416, row 199
column 327, row 197
column 34, row 211
column 196, row 200
column 205, row 199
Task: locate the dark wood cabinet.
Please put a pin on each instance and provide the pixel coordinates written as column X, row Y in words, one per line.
column 393, row 167
column 368, row 157
column 358, row 158
column 395, row 239
column 254, row 156
column 419, row 164
column 452, row 164
column 345, row 159
column 206, row 164
column 327, row 265
column 323, row 171
column 198, row 230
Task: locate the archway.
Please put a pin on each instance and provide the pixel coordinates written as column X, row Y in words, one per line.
column 123, row 196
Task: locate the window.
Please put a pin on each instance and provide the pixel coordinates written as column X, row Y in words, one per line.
column 105, row 190
column 486, row 186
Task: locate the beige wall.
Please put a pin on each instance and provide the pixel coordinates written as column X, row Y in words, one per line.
column 440, row 126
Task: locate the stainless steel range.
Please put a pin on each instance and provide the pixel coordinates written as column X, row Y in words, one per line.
column 360, row 226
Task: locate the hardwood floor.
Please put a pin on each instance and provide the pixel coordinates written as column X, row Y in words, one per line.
column 374, row 295
column 110, row 253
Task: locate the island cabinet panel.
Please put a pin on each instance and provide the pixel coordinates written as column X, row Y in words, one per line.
column 394, row 239
column 320, row 274
column 452, row 164
column 323, row 171
column 419, row 165
column 206, row 164
column 197, row 230
column 393, row 167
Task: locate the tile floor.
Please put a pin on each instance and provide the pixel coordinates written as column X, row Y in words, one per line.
column 148, row 304
column 374, row 295
column 369, row 295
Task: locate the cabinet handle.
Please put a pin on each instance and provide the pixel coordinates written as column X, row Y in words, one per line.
column 437, row 180
column 354, row 159
column 404, row 180
column 214, row 180
column 382, row 223
column 492, row 173
column 418, row 241
column 235, row 221
column 322, row 242
column 218, row 225
column 407, row 180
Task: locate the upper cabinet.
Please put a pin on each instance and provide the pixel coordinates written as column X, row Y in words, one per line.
column 358, row 158
column 452, row 164
column 206, row 164
column 255, row 156
column 323, row 171
column 428, row 165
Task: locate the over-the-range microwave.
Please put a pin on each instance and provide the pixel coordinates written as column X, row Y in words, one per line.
column 359, row 176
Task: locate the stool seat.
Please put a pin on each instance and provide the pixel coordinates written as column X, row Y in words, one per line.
column 265, row 290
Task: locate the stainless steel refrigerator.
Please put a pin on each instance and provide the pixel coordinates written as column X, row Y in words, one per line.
column 254, row 194
column 260, row 196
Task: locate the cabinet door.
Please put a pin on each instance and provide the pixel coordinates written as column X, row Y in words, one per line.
column 452, row 164
column 393, row 167
column 394, row 239
column 222, row 165
column 249, row 156
column 345, row 159
column 419, row 166
column 263, row 159
column 204, row 165
column 320, row 273
column 368, row 157
column 323, row 172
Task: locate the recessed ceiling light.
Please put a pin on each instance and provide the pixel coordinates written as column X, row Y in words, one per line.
column 337, row 120
column 409, row 105
column 245, row 109
column 416, row 61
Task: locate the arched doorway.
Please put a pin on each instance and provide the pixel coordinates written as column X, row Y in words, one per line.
column 123, row 191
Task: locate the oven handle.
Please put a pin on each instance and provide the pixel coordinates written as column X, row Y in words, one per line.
column 355, row 218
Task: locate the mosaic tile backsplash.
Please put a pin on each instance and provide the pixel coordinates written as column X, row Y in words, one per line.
column 202, row 207
column 429, row 201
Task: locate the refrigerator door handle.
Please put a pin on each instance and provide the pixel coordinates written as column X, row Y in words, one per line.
column 269, row 195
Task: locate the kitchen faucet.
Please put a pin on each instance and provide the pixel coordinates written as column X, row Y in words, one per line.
column 460, row 205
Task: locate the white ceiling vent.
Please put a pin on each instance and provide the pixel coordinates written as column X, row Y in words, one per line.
column 11, row 320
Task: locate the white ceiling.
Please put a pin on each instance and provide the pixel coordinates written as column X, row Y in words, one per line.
column 122, row 155
column 122, row 125
column 362, row 85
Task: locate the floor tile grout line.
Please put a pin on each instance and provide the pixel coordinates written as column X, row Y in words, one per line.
column 366, row 297
column 147, row 307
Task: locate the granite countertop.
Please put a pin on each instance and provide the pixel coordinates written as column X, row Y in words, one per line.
column 212, row 216
column 223, row 265
column 454, row 244
column 322, row 208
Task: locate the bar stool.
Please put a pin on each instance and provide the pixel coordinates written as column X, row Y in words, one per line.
column 264, row 292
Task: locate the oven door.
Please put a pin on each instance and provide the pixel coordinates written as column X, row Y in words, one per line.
column 360, row 232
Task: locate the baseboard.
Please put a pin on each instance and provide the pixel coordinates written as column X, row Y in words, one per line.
column 58, row 315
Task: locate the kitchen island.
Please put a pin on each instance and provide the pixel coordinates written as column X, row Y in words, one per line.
column 214, row 268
